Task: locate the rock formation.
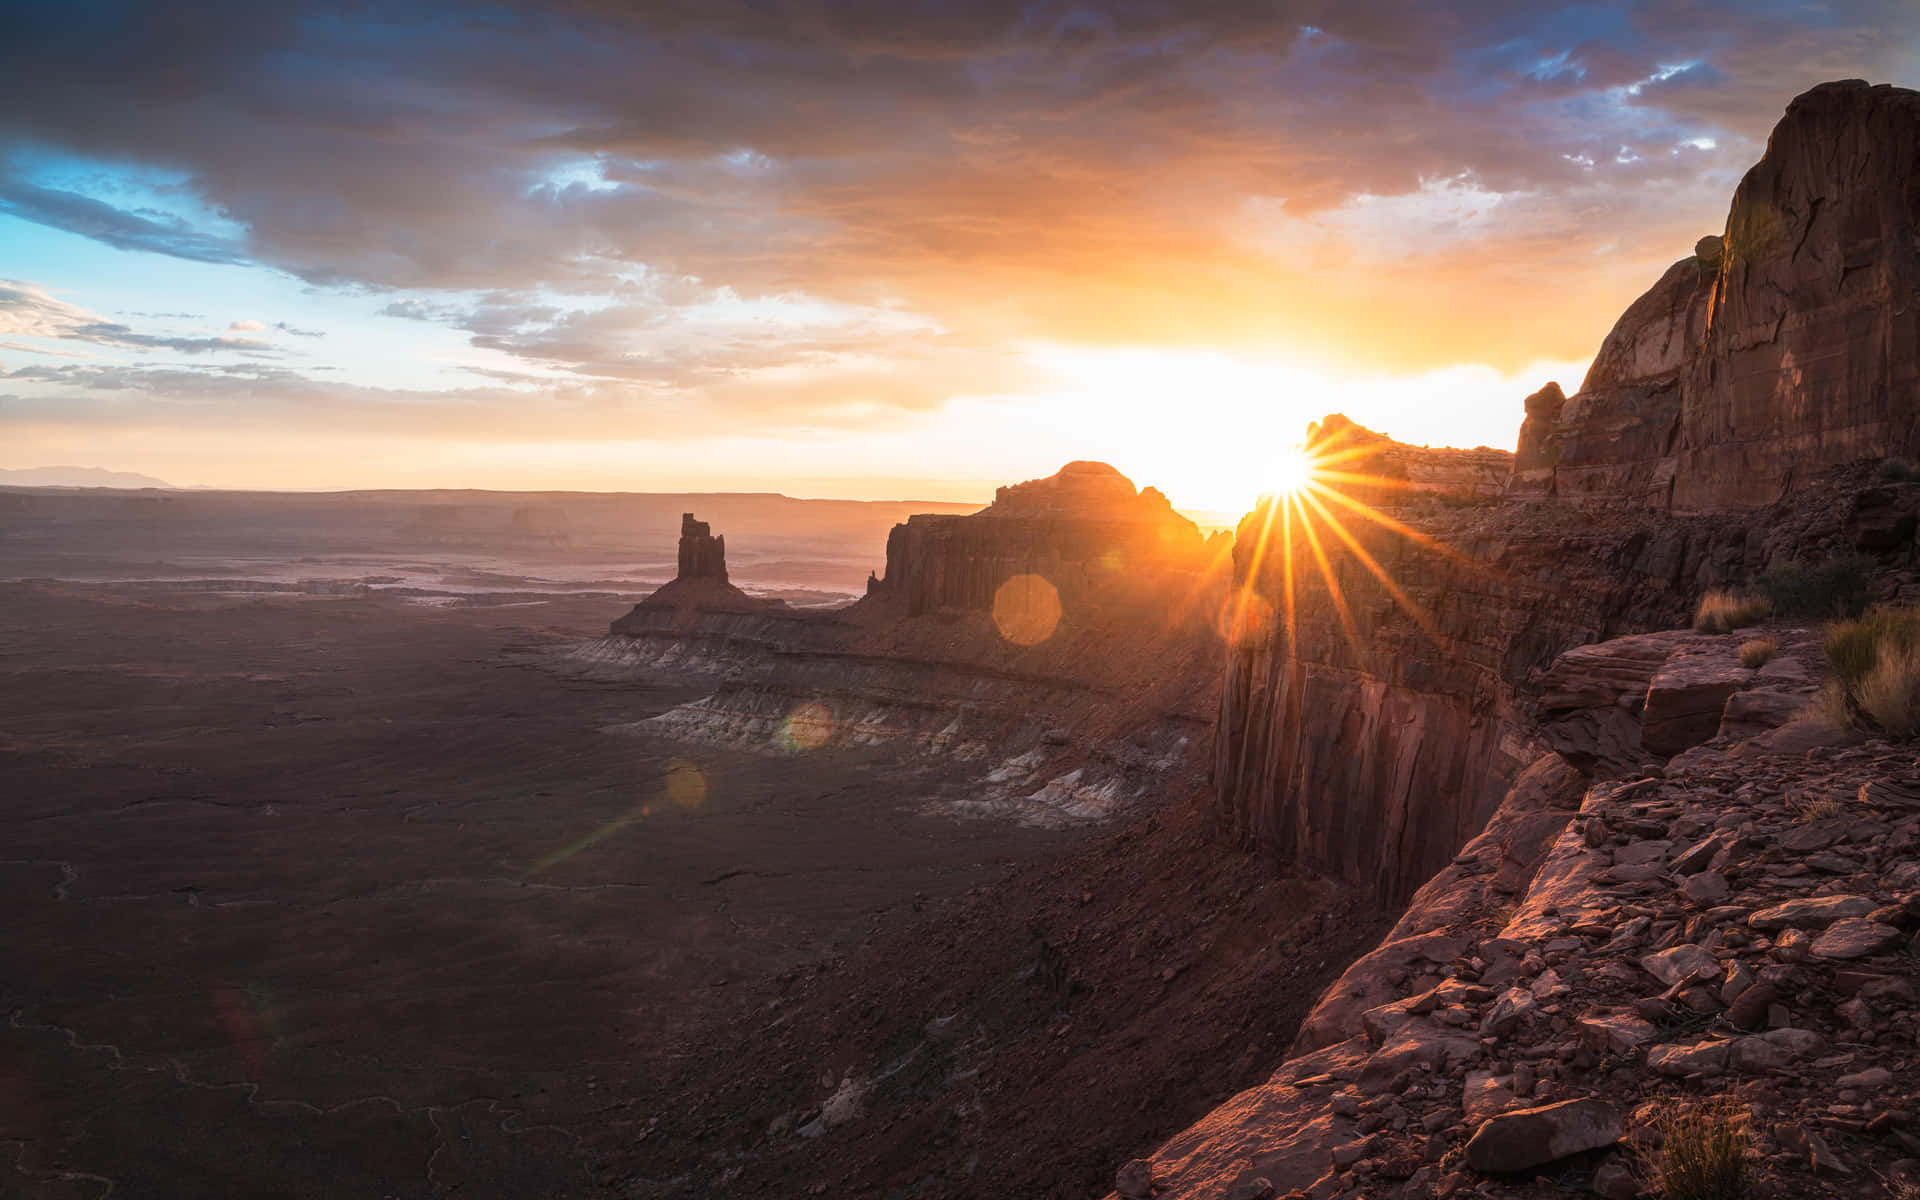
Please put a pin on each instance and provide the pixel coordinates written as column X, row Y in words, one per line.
column 1086, row 530
column 1788, row 347
column 1642, row 858
column 702, row 555
column 700, row 587
column 1597, row 952
column 1102, row 707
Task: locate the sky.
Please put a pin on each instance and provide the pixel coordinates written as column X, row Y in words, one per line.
column 857, row 248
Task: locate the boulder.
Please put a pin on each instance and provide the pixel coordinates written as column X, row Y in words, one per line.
column 1688, row 694
column 1516, row 1141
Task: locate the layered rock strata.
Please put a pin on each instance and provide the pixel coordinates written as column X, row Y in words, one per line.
column 1050, row 723
column 1786, row 347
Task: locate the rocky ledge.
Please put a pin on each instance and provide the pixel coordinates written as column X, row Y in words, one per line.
column 1735, row 924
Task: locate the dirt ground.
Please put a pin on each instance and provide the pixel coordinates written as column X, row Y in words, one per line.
column 352, row 896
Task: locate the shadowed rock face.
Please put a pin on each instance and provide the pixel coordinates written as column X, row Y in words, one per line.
column 1787, row 347
column 702, row 555
column 1086, row 530
column 701, row 586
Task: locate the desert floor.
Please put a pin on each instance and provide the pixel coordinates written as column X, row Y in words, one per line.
column 357, row 896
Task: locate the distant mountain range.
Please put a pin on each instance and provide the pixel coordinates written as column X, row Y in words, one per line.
column 78, row 477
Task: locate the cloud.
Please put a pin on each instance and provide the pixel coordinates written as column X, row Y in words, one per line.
column 1088, row 172
column 26, row 309
column 246, row 327
column 283, row 327
column 102, row 222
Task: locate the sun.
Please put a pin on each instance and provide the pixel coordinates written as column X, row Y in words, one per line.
column 1292, row 472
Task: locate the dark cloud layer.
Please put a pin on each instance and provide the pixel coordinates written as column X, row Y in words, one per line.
column 1124, row 171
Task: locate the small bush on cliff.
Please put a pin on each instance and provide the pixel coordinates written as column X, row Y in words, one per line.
column 1758, row 652
column 1899, row 470
column 1723, row 611
column 1703, row 1154
column 1834, row 588
column 1876, row 670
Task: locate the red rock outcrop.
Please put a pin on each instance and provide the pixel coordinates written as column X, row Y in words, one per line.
column 1105, row 546
column 1788, row 347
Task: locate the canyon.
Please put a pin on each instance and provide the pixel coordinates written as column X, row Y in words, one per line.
column 1404, row 842
column 1457, row 684
column 1470, row 709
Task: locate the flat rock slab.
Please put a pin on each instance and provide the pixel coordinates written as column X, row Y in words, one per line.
column 1616, row 1033
column 1856, row 937
column 1815, row 912
column 1680, row 964
column 1516, row 1141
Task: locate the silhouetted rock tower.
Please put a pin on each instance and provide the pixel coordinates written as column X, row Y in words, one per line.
column 702, row 556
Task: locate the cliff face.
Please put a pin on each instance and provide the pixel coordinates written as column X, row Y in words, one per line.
column 1100, row 543
column 1396, row 674
column 1787, row 347
column 1371, row 745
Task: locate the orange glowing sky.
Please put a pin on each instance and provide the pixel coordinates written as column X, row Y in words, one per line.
column 859, row 249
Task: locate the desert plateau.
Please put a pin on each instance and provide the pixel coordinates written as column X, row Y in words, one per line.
column 1059, row 602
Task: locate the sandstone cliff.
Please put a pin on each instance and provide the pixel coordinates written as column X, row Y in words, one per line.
column 1104, row 547
column 1430, row 671
column 1376, row 733
column 1787, row 347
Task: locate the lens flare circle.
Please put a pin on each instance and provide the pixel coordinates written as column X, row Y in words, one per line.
column 1026, row 610
column 686, row 784
column 808, row 727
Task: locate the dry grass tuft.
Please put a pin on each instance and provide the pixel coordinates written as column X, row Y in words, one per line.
column 1890, row 693
column 1758, row 653
column 1876, row 670
column 1822, row 808
column 1704, row 1153
column 1722, row 611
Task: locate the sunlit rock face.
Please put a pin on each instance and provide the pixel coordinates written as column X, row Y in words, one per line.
column 1785, row 348
column 1099, row 543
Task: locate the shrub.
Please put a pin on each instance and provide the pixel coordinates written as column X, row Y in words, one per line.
column 1834, row 588
column 1898, row 470
column 1853, row 647
column 1876, row 670
column 1722, row 611
column 1705, row 1154
column 1758, row 653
